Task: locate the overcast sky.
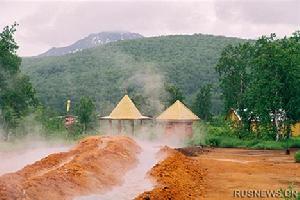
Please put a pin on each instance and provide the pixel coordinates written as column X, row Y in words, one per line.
column 44, row 24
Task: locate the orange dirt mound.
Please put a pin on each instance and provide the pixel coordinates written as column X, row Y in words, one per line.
column 93, row 166
column 178, row 177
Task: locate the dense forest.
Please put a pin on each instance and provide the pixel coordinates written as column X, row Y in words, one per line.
column 142, row 68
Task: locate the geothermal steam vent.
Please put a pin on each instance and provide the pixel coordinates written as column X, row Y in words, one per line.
column 81, row 171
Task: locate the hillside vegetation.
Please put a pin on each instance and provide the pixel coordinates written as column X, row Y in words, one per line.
column 139, row 67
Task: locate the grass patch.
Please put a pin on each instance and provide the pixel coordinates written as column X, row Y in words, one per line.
column 230, row 142
column 297, row 156
column 219, row 133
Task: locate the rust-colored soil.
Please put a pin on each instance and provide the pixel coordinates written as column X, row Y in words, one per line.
column 178, row 177
column 238, row 169
column 93, row 166
column 216, row 173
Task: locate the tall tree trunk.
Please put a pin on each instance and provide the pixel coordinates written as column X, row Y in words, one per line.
column 275, row 118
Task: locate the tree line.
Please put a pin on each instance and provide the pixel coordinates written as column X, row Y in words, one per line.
column 261, row 79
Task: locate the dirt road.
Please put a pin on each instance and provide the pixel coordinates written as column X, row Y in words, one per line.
column 237, row 169
column 217, row 173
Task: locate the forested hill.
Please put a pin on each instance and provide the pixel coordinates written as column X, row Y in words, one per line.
column 137, row 67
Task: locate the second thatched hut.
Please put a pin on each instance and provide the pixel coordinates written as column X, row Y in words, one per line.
column 177, row 120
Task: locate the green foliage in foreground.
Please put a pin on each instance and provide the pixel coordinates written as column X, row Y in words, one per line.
column 289, row 193
column 85, row 112
column 105, row 73
column 297, row 156
column 202, row 103
column 229, row 142
column 46, row 124
column 219, row 134
column 17, row 95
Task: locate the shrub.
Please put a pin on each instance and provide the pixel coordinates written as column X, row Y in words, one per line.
column 268, row 145
column 230, row 142
column 289, row 193
column 297, row 156
column 294, row 143
column 200, row 131
column 213, row 141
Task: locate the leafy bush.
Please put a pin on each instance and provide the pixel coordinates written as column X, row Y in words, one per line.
column 289, row 193
column 297, row 156
column 213, row 141
column 200, row 132
column 269, row 145
column 219, row 133
column 294, row 143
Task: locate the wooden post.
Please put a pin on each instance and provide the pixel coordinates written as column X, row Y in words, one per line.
column 132, row 127
column 110, row 126
column 119, row 126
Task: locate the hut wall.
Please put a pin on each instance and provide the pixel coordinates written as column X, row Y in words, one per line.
column 180, row 129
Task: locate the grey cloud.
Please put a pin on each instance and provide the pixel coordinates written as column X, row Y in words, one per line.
column 47, row 24
column 260, row 12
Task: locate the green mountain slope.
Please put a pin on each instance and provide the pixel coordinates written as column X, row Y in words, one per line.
column 139, row 67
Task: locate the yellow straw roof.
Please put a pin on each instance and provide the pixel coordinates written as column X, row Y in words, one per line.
column 125, row 109
column 178, row 112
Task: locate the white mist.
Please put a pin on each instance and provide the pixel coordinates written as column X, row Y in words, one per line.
column 16, row 160
column 136, row 180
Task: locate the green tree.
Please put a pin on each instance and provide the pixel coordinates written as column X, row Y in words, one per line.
column 85, row 112
column 174, row 93
column 16, row 92
column 269, row 75
column 274, row 88
column 233, row 68
column 202, row 103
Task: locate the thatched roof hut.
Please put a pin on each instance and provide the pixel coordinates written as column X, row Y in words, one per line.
column 177, row 112
column 178, row 119
column 125, row 110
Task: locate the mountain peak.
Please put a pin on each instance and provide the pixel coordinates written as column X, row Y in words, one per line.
column 90, row 41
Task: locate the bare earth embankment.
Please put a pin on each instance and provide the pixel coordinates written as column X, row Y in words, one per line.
column 95, row 165
column 177, row 176
column 216, row 173
column 101, row 163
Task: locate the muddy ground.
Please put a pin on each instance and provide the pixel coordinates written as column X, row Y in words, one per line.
column 219, row 173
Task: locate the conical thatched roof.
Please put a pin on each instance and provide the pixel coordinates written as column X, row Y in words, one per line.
column 178, row 112
column 125, row 109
